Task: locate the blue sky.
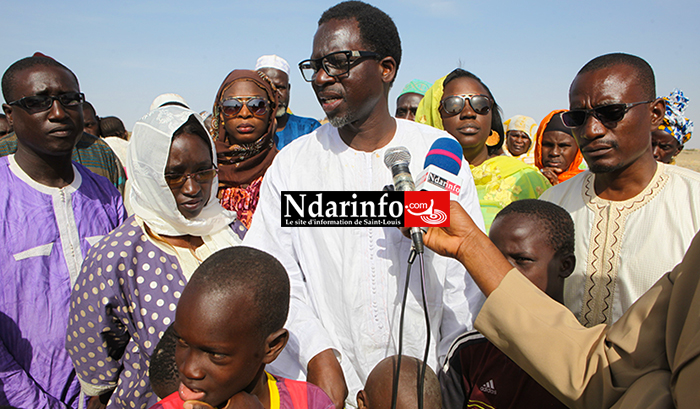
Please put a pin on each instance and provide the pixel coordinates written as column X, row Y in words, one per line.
column 125, row 53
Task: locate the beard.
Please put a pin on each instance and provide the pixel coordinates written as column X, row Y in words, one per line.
column 602, row 168
column 340, row 121
column 281, row 111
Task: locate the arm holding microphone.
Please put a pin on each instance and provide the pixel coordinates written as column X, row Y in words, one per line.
column 594, row 367
column 464, row 241
column 443, row 171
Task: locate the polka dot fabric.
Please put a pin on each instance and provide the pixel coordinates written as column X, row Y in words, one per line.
column 124, row 299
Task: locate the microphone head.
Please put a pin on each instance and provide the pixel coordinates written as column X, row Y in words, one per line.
column 397, row 155
column 445, row 153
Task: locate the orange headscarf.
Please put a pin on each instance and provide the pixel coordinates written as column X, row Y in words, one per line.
column 573, row 166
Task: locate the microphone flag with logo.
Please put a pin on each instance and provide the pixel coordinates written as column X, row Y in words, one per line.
column 441, row 169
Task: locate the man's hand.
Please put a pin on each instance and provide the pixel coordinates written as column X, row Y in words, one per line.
column 449, row 241
column 325, row 372
column 465, row 242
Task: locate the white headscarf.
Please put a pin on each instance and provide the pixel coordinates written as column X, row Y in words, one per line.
column 151, row 198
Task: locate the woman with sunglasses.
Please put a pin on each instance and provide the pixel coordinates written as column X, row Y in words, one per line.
column 557, row 155
column 130, row 282
column 463, row 106
column 244, row 128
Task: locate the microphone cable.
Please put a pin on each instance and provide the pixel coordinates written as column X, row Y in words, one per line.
column 395, row 386
column 421, row 380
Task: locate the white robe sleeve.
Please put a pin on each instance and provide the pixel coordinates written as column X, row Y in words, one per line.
column 308, row 337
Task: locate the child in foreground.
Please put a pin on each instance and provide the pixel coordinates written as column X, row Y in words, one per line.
column 229, row 325
column 378, row 388
column 537, row 237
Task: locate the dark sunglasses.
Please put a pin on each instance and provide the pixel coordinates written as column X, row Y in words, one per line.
column 256, row 105
column 334, row 64
column 176, row 180
column 40, row 103
column 606, row 114
column 454, row 104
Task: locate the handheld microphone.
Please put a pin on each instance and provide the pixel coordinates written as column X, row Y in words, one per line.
column 397, row 160
column 441, row 168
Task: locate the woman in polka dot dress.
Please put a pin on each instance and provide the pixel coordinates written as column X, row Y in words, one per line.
column 130, row 282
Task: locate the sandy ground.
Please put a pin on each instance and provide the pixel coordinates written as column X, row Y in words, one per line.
column 689, row 158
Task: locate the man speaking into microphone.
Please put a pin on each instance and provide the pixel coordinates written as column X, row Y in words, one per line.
column 347, row 282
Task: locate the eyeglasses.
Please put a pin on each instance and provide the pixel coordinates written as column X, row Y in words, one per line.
column 606, row 114
column 334, row 64
column 176, row 180
column 256, row 105
column 454, row 104
column 40, row 103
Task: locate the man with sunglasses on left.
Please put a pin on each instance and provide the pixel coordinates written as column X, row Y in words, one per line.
column 52, row 211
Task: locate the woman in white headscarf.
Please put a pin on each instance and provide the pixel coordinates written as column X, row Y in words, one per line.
column 131, row 281
column 520, row 138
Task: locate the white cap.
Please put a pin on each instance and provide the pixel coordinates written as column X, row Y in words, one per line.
column 164, row 99
column 272, row 61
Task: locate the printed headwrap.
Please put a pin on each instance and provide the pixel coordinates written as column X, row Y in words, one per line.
column 150, row 197
column 524, row 124
column 577, row 165
column 241, row 164
column 416, row 87
column 675, row 122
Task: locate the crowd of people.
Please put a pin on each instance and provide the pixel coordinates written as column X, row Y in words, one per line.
column 161, row 275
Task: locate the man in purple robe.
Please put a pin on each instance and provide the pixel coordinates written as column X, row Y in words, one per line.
column 51, row 211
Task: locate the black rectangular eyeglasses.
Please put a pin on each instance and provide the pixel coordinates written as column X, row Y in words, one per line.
column 334, row 64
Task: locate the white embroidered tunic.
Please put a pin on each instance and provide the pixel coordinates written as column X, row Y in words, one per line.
column 623, row 248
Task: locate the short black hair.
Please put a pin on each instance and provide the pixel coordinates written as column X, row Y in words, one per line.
column 242, row 269
column 111, row 126
column 377, row 30
column 9, row 79
column 496, row 115
column 644, row 72
column 162, row 370
column 555, row 220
